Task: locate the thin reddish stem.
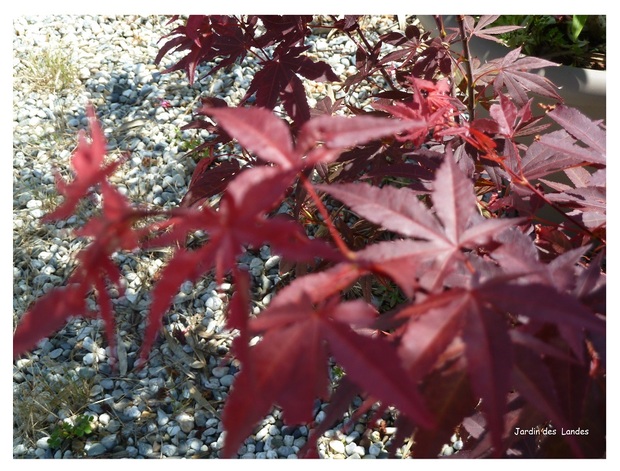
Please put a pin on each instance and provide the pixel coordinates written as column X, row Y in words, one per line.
column 330, row 226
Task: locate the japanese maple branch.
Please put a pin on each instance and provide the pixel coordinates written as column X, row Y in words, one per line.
column 330, row 226
column 440, row 28
column 368, row 49
column 468, row 73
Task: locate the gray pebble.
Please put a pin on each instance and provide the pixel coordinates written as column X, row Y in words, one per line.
column 96, row 449
column 145, row 448
column 56, row 353
column 375, row 449
column 169, row 449
column 113, row 426
column 162, row 418
column 194, row 444
column 133, row 412
column 220, row 371
column 284, row 451
column 350, row 448
column 227, row 380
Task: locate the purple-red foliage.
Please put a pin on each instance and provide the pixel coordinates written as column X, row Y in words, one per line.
column 499, row 319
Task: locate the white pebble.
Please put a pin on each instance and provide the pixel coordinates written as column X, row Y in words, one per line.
column 162, row 417
column 104, row 419
column 321, row 45
column 272, row 262
column 337, row 446
column 89, row 359
column 350, row 448
column 42, row 443
column 194, row 444
column 214, row 303
column 186, row 422
column 262, row 433
column 33, row 204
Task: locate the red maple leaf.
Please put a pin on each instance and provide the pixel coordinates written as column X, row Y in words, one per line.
column 303, row 327
column 278, row 80
column 513, row 72
column 88, row 164
column 455, row 226
column 242, row 217
column 111, row 231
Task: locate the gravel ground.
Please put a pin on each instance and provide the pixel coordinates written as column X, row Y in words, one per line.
column 172, row 407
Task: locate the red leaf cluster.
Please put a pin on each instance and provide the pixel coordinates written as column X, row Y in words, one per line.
column 499, row 313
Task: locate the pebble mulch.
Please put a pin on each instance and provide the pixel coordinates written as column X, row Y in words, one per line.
column 171, row 408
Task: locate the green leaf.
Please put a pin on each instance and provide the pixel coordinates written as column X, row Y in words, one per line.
column 577, row 24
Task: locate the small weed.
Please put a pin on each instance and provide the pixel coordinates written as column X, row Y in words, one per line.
column 67, row 431
column 46, row 396
column 192, row 146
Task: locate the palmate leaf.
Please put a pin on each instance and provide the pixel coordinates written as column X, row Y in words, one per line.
column 482, row 29
column 479, row 317
column 205, row 37
column 453, row 199
column 239, row 222
column 278, row 79
column 48, row 315
column 292, row 352
column 512, row 72
column 241, row 219
column 109, row 232
column 448, row 394
column 582, row 128
column 487, row 347
column 485, row 336
column 321, row 139
column 533, row 380
column 286, row 29
column 400, row 210
column 207, row 182
column 289, row 365
column 340, row 133
column 259, row 131
column 556, row 151
column 428, row 337
column 395, row 209
column 401, row 260
column 515, row 122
